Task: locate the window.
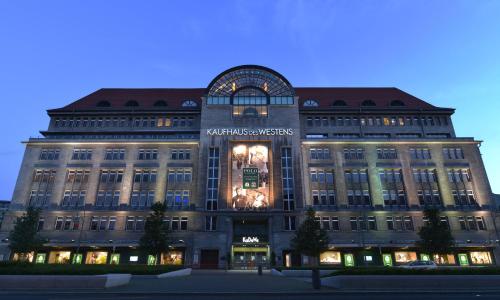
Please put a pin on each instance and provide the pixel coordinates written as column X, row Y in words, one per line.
column 132, row 103
column 189, row 103
column 287, row 179
column 319, row 153
column 397, row 103
column 142, row 199
column 180, row 154
column 399, row 223
column 210, row 223
column 103, row 103
column 453, row 153
column 82, row 154
column 144, row 176
column 420, row 153
column 212, row 179
column 49, row 154
column 59, row 223
column 177, row 199
column 387, row 153
column 180, row 175
column 289, row 223
column 368, row 103
column 75, row 198
column 148, row 154
column 114, row 154
column 473, row 223
column 111, row 176
column 335, row 223
column 354, row 153
column 41, row 222
column 310, row 103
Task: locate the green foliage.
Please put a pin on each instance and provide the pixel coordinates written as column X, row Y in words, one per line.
column 12, row 268
column 309, row 238
column 435, row 236
column 155, row 239
column 24, row 238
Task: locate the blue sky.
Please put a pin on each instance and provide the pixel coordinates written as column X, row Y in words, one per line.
column 54, row 52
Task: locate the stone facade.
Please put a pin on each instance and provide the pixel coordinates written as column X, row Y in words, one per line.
column 361, row 215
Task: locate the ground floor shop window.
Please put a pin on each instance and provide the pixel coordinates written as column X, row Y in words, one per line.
column 405, row 256
column 172, row 258
column 40, row 258
column 480, row 258
column 96, row 258
column 330, row 258
column 24, row 257
column 114, row 259
column 59, row 257
column 444, row 259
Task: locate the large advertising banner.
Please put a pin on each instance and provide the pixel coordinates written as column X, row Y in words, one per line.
column 250, row 177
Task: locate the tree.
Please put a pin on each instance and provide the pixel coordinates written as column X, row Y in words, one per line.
column 309, row 238
column 24, row 238
column 435, row 236
column 155, row 238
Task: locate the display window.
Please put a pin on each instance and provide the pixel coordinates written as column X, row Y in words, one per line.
column 172, row 258
column 444, row 259
column 114, row 259
column 40, row 258
column 59, row 257
column 250, row 177
column 330, row 258
column 24, row 257
column 405, row 256
column 480, row 258
column 96, row 258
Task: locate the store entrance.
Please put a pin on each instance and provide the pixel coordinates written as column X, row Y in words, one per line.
column 250, row 257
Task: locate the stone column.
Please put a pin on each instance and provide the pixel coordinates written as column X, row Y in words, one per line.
column 341, row 191
column 407, row 172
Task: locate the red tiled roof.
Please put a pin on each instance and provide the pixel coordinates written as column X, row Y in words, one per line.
column 325, row 96
column 354, row 97
column 146, row 98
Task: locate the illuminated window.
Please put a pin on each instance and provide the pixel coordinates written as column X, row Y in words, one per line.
column 480, row 258
column 405, row 256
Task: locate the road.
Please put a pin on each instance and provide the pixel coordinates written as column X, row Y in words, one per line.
column 321, row 296
column 223, row 285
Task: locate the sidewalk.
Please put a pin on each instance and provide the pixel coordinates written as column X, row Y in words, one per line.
column 216, row 281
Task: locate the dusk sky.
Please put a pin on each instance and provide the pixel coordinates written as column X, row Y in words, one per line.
column 55, row 52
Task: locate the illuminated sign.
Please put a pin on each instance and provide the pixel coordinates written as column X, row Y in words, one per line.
column 250, row 178
column 250, row 239
column 250, row 131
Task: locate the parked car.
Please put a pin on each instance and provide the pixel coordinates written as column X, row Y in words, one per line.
column 420, row 265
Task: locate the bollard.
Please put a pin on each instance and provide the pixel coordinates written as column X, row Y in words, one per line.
column 259, row 270
column 316, row 281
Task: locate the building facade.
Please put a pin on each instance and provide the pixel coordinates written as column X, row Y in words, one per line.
column 239, row 162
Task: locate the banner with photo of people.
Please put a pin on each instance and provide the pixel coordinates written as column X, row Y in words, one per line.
column 250, row 177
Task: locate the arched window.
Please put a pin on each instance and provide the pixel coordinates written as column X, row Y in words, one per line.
column 397, row 103
column 339, row 103
column 160, row 103
column 132, row 103
column 310, row 103
column 189, row 103
column 103, row 103
column 368, row 103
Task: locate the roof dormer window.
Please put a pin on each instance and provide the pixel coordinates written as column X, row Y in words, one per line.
column 397, row 103
column 339, row 103
column 132, row 103
column 368, row 103
column 189, row 103
column 103, row 103
column 310, row 103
